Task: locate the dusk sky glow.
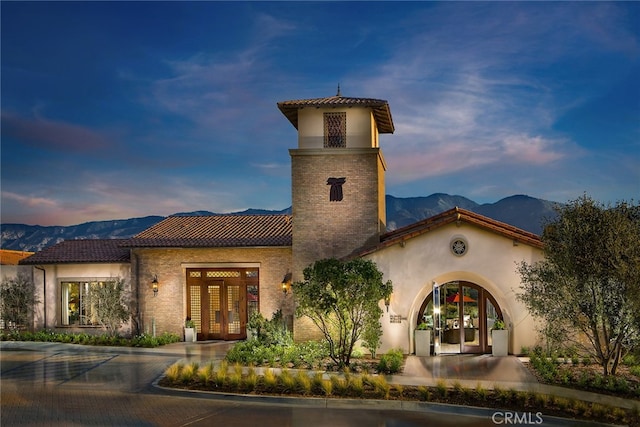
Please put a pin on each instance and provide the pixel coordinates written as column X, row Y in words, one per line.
column 113, row 110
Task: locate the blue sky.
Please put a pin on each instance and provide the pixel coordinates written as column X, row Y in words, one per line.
column 122, row 109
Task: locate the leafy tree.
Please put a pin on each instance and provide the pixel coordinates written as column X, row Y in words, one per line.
column 586, row 288
column 17, row 300
column 341, row 299
column 111, row 308
column 371, row 336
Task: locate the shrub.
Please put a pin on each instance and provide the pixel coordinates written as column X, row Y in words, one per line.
column 356, row 386
column 251, row 380
column 441, row 389
column 339, row 385
column 391, row 362
column 303, row 382
column 173, row 372
column 630, row 360
column 269, row 380
column 380, row 386
column 425, row 393
column 205, row 373
column 188, row 373
column 316, row 382
column 270, row 332
column 327, row 387
column 220, row 376
column 234, row 380
column 287, row 381
column 481, row 392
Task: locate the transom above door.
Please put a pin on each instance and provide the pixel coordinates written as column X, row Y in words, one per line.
column 220, row 300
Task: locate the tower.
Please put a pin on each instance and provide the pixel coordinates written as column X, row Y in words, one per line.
column 337, row 176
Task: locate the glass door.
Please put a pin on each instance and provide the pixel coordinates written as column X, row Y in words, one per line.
column 218, row 301
column 461, row 317
column 450, row 318
column 470, row 300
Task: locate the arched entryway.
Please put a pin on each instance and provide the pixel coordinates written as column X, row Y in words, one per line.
column 461, row 318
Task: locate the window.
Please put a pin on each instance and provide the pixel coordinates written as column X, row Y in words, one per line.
column 78, row 307
column 459, row 246
column 335, row 130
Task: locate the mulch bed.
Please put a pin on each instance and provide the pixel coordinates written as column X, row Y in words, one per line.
column 574, row 374
column 507, row 399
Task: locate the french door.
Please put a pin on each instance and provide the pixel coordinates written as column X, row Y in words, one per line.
column 466, row 313
column 217, row 301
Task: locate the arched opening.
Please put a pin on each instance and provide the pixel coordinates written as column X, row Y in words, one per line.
column 466, row 315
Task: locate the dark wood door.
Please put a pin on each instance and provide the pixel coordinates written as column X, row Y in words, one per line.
column 217, row 306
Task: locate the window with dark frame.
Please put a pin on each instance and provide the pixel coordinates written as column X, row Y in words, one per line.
column 335, row 130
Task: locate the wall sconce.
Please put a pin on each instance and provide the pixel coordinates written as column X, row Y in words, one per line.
column 286, row 283
column 154, row 285
column 387, row 302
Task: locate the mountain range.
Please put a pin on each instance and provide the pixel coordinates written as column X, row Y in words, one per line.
column 527, row 213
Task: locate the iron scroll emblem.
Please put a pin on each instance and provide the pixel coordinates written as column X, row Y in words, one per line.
column 335, row 193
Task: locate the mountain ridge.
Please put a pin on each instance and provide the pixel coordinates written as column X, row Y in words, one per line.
column 522, row 211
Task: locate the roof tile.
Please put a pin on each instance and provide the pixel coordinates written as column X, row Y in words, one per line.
column 217, row 231
column 81, row 251
column 380, row 108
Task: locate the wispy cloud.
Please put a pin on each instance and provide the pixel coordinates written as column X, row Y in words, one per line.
column 51, row 134
column 213, row 89
column 29, row 201
column 477, row 97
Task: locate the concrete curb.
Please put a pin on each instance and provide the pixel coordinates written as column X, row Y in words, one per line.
column 372, row 404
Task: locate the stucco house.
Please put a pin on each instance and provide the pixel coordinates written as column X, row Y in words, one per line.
column 217, row 270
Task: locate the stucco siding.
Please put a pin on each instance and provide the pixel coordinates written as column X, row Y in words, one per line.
column 489, row 262
column 49, row 294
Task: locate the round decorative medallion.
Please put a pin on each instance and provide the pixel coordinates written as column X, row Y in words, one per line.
column 459, row 246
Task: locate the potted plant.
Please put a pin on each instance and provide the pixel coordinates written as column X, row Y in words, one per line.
column 423, row 340
column 499, row 339
column 190, row 331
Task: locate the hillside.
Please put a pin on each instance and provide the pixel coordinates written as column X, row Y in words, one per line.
column 521, row 211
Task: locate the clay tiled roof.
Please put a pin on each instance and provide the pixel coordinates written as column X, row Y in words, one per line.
column 451, row 216
column 81, row 251
column 380, row 108
column 217, row 231
column 9, row 257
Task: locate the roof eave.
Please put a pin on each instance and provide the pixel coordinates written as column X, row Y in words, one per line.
column 452, row 216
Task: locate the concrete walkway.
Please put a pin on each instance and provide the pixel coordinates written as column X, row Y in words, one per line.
column 491, row 372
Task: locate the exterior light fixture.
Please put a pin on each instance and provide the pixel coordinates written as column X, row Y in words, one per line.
column 387, row 302
column 286, row 283
column 154, row 285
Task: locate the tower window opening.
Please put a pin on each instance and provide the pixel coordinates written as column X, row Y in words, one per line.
column 335, row 130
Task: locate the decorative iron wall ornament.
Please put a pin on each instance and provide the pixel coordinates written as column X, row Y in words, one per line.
column 335, row 193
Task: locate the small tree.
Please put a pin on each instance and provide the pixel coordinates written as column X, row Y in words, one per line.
column 111, row 304
column 341, row 299
column 371, row 336
column 17, row 301
column 587, row 285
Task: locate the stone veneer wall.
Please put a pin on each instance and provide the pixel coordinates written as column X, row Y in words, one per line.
column 169, row 307
column 325, row 229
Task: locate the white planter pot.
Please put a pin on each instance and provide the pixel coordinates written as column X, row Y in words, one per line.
column 190, row 334
column 500, row 342
column 423, row 342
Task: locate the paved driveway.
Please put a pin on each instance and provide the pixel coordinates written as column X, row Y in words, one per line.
column 71, row 385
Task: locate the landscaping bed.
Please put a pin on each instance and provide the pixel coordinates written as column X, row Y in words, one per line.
column 582, row 374
column 224, row 378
